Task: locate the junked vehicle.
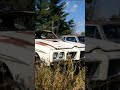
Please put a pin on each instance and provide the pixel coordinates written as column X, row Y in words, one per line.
column 16, row 53
column 78, row 40
column 17, row 60
column 103, row 53
column 49, row 48
column 74, row 38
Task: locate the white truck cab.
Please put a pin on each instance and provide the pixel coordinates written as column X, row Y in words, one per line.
column 78, row 40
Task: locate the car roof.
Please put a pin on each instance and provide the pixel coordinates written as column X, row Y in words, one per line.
column 77, row 35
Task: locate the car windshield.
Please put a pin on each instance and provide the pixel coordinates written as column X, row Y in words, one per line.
column 112, row 32
column 45, row 35
column 81, row 39
column 17, row 21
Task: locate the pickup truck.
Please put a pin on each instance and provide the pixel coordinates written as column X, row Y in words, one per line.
column 49, row 48
column 102, row 56
column 77, row 40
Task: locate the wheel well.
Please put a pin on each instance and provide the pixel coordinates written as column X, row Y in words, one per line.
column 36, row 56
column 4, row 72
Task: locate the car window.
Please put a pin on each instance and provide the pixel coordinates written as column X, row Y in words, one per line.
column 112, row 32
column 81, row 39
column 16, row 21
column 72, row 39
column 92, row 31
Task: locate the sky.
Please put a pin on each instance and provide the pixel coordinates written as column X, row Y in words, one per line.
column 76, row 10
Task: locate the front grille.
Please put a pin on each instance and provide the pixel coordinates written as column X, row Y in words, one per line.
column 71, row 55
column 114, row 67
column 92, row 69
column 82, row 54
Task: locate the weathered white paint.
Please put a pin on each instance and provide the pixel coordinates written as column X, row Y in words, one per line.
column 46, row 47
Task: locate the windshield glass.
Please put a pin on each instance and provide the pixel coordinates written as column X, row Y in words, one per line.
column 45, row 35
column 112, row 32
column 17, row 21
column 81, row 39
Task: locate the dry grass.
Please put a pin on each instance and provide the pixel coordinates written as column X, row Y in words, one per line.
column 60, row 77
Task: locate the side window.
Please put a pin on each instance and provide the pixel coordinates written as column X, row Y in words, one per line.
column 72, row 39
column 81, row 39
column 92, row 31
column 37, row 36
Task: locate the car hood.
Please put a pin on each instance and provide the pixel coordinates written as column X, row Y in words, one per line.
column 80, row 45
column 54, row 43
column 105, row 45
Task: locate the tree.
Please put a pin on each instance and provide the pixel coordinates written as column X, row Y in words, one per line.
column 51, row 16
column 82, row 33
column 90, row 9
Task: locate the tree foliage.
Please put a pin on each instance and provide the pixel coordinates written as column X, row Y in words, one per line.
column 51, row 16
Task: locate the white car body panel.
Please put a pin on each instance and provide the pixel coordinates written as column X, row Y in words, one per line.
column 77, row 43
column 46, row 47
column 80, row 45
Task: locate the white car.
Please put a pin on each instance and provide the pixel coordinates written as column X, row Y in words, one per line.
column 49, row 48
column 77, row 40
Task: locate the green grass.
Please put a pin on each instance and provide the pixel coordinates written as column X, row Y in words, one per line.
column 60, row 77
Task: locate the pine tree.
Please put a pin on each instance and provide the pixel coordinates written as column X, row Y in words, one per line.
column 51, row 16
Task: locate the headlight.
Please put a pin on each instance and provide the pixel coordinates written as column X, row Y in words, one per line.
column 55, row 55
column 61, row 55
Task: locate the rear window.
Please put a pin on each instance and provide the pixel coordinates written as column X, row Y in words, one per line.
column 72, row 39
